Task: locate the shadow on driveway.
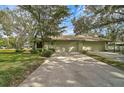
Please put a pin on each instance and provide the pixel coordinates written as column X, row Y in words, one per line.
column 74, row 70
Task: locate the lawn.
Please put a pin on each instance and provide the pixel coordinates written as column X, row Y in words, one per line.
column 15, row 67
column 7, row 50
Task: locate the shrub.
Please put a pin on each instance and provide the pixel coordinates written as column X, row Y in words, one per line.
column 84, row 51
column 52, row 49
column 19, row 50
column 46, row 52
column 39, row 49
column 34, row 51
column 43, row 52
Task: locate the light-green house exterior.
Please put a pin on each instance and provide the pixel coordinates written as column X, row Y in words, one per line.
column 70, row 43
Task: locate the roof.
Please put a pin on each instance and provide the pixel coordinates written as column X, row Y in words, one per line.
column 79, row 37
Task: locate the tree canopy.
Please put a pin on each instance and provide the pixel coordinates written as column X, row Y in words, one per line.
column 32, row 23
column 106, row 19
column 47, row 20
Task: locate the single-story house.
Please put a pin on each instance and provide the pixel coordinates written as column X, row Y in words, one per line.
column 72, row 43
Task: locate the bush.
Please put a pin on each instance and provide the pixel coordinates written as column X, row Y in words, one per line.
column 34, row 51
column 39, row 49
column 43, row 52
column 84, row 51
column 19, row 50
column 46, row 52
column 52, row 49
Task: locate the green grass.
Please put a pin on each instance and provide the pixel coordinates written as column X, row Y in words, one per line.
column 7, row 50
column 15, row 67
column 111, row 62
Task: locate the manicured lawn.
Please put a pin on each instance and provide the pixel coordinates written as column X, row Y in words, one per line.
column 111, row 62
column 15, row 67
column 7, row 50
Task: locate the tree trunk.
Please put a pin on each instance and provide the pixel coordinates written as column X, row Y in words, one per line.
column 42, row 43
column 34, row 42
column 114, row 47
column 34, row 45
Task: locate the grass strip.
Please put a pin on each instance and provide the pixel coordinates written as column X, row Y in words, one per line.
column 108, row 61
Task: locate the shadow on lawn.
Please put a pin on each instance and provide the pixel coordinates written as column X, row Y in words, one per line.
column 16, row 67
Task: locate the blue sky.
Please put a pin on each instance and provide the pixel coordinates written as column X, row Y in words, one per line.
column 7, row 6
column 76, row 12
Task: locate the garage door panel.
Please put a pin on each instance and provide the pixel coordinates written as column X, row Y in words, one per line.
column 66, row 46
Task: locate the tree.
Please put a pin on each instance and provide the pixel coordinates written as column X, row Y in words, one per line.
column 81, row 26
column 109, row 19
column 47, row 20
column 5, row 21
column 2, row 42
column 22, row 27
column 5, row 24
column 16, row 25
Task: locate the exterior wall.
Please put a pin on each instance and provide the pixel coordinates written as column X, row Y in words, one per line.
column 63, row 46
column 74, row 46
column 92, row 45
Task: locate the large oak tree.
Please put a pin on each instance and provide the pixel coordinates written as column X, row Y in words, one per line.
column 47, row 20
column 108, row 20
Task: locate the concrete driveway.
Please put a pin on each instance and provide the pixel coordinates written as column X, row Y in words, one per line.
column 111, row 55
column 74, row 70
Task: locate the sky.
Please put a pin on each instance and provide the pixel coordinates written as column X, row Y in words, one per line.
column 75, row 12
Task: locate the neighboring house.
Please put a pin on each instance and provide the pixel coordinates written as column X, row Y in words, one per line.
column 71, row 43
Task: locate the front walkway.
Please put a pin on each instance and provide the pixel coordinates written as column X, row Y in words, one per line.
column 74, row 70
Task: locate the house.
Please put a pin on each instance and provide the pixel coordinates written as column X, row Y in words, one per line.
column 72, row 43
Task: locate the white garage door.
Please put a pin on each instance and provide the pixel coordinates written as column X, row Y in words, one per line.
column 67, row 46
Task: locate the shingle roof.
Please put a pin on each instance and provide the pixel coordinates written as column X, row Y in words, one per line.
column 79, row 37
